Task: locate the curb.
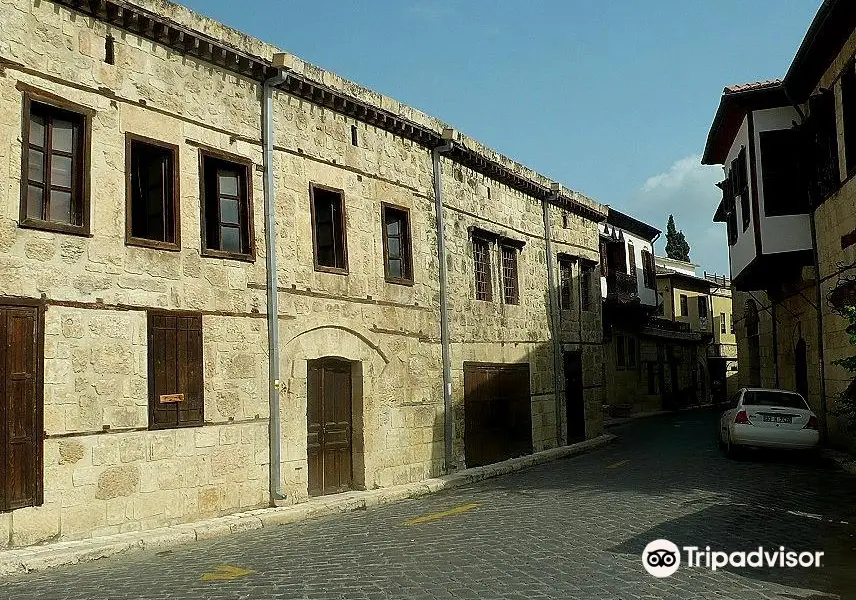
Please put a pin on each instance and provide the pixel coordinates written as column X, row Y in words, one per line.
column 37, row 558
column 845, row 462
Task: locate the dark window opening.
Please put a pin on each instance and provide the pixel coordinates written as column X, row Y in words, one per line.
column 631, row 352
column 396, row 244
column 54, row 178
column 649, row 270
column 848, row 110
column 328, row 227
column 722, row 325
column 354, row 135
column 702, row 306
column 585, row 288
column 739, row 184
column 511, row 293
column 631, row 251
column 565, row 284
column 619, row 351
column 227, row 213
column 685, row 309
column 152, row 193
column 821, row 156
column 176, row 384
column 481, row 258
column 784, row 191
column 109, row 50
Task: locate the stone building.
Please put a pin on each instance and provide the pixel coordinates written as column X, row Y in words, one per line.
column 787, row 149
column 174, row 188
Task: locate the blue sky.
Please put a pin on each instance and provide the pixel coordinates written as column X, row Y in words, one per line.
column 613, row 98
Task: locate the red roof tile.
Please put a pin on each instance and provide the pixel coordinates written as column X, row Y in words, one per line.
column 755, row 85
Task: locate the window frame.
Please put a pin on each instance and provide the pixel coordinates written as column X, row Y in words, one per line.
column 487, row 294
column 684, row 305
column 510, row 293
column 631, row 258
column 81, row 177
column 566, row 283
column 723, row 326
column 130, row 239
column 405, row 248
column 247, row 165
column 586, row 303
column 343, row 224
column 703, row 311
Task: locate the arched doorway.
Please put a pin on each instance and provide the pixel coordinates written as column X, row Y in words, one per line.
column 753, row 343
column 801, row 368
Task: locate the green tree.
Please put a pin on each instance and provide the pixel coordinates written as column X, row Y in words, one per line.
column 677, row 247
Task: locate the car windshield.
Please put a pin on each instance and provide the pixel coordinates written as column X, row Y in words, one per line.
column 773, row 398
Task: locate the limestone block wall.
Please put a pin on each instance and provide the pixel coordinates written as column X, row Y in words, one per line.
column 99, row 453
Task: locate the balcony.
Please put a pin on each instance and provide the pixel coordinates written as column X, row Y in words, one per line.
column 622, row 288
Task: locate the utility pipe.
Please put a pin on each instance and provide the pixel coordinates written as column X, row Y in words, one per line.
column 436, row 154
column 554, row 309
column 274, row 428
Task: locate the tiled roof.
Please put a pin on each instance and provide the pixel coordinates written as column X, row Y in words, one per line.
column 755, row 85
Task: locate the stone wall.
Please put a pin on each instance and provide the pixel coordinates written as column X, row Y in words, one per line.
column 104, row 470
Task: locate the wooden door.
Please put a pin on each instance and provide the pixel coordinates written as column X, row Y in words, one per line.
column 20, row 407
column 497, row 412
column 329, row 423
column 575, row 407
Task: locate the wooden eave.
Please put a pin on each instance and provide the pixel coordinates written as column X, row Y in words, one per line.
column 159, row 29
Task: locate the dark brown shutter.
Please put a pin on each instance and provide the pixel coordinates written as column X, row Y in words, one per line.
column 175, row 367
column 20, row 413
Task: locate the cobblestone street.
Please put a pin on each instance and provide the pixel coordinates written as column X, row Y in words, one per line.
column 571, row 529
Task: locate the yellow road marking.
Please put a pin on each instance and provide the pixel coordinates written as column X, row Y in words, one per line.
column 618, row 464
column 226, row 573
column 440, row 515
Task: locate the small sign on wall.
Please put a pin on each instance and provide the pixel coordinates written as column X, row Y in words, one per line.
column 171, row 398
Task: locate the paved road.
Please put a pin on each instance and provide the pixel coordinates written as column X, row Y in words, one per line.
column 571, row 529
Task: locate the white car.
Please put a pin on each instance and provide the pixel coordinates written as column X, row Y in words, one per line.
column 767, row 418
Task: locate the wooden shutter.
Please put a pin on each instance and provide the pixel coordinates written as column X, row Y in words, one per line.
column 632, row 251
column 20, row 408
column 175, row 367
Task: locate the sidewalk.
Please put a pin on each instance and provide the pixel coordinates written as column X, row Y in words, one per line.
column 35, row 558
column 844, row 461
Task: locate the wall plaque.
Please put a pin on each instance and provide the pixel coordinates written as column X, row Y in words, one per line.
column 171, row 398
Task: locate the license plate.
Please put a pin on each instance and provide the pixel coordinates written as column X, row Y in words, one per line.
column 777, row 419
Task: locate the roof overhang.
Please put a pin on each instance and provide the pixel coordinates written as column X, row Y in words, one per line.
column 135, row 19
column 634, row 226
column 736, row 102
column 832, row 26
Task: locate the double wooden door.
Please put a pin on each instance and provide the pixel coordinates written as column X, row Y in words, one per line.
column 329, row 420
column 497, row 412
column 20, row 407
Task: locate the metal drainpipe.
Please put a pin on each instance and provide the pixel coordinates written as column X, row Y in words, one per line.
column 554, row 311
column 444, row 309
column 272, row 300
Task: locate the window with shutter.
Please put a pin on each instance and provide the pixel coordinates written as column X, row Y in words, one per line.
column 632, row 252
column 565, row 284
column 175, row 370
column 397, row 252
column 21, row 406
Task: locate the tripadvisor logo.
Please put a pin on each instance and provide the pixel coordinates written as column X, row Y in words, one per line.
column 662, row 558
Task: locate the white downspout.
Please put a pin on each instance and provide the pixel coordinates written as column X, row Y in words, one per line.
column 274, row 429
